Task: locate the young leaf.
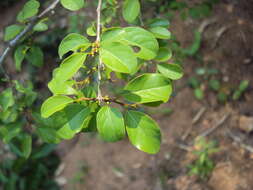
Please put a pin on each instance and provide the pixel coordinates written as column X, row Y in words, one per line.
column 143, row 39
column 148, row 88
column 70, row 66
column 131, row 10
column 160, row 32
column 110, row 124
column 171, row 71
column 12, row 31
column 19, row 56
column 78, row 118
column 143, row 132
column 118, row 57
column 164, row 54
column 6, row 99
column 35, row 56
column 73, row 42
column 30, row 9
column 72, row 5
column 54, row 104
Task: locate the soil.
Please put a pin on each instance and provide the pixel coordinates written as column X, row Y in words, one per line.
column 89, row 163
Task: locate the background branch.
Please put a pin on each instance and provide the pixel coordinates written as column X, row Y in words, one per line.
column 13, row 43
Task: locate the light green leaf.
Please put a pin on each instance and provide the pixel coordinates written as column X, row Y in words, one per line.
column 35, row 56
column 19, row 56
column 12, row 31
column 40, row 27
column 30, row 9
column 160, row 32
column 110, row 124
column 62, row 87
column 148, row 88
column 118, row 57
column 131, row 10
column 78, row 118
column 54, row 104
column 72, row 5
column 171, row 71
column 143, row 39
column 73, row 42
column 70, row 66
column 143, row 132
column 164, row 54
column 6, row 99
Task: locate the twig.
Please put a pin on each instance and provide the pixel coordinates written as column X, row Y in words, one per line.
column 13, row 43
column 99, row 96
column 106, row 99
column 194, row 121
column 219, row 124
column 219, row 34
column 239, row 141
column 205, row 24
column 204, row 134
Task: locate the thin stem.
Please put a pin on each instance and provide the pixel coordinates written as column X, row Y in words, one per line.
column 99, row 96
column 13, row 43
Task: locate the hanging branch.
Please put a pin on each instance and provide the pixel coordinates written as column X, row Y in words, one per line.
column 13, row 43
column 99, row 97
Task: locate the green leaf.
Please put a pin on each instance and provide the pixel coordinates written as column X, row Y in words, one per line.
column 143, row 39
column 160, row 32
column 214, row 84
column 48, row 135
column 73, row 42
column 118, row 57
column 30, row 9
column 8, row 132
column 148, row 88
column 78, row 118
column 110, row 124
column 19, row 56
column 26, row 145
column 40, row 27
column 159, row 22
column 12, row 31
column 70, row 66
column 131, row 10
column 72, row 5
column 6, row 99
column 243, row 85
column 54, row 104
column 171, row 71
column 62, row 87
column 164, row 54
column 199, row 94
column 35, row 56
column 143, row 132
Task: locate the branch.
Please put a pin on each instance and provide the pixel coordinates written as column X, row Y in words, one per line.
column 99, row 97
column 107, row 100
column 13, row 43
